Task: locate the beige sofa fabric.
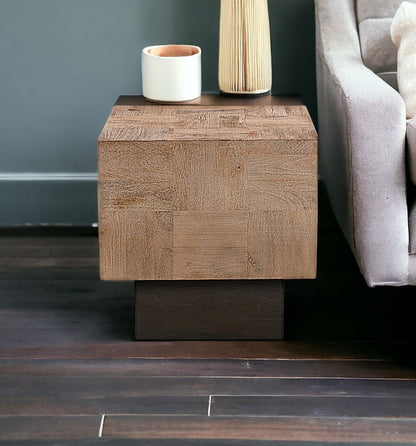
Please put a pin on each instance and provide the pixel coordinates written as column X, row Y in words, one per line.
column 371, row 9
column 403, row 33
column 362, row 130
column 374, row 19
column 377, row 49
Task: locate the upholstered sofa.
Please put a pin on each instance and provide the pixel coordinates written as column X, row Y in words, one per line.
column 367, row 147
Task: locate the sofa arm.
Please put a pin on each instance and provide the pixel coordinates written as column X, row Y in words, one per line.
column 362, row 128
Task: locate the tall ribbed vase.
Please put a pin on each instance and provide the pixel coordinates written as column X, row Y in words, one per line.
column 245, row 65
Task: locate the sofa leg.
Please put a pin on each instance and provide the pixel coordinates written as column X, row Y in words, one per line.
column 209, row 310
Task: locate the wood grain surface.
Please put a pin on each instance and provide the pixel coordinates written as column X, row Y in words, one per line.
column 316, row 406
column 263, row 428
column 45, row 427
column 212, row 190
column 43, row 389
column 265, row 118
column 375, row 377
column 213, row 310
column 182, row 442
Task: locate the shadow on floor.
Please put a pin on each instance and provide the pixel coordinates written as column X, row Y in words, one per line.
column 338, row 305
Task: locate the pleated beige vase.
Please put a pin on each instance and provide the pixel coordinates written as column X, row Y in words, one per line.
column 245, row 62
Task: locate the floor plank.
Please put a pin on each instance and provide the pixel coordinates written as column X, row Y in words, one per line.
column 209, row 368
column 314, row 350
column 313, row 406
column 39, row 427
column 31, row 310
column 123, row 387
column 263, row 428
column 185, row 442
column 50, row 273
column 106, row 404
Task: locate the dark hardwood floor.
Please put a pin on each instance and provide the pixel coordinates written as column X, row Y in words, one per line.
column 71, row 373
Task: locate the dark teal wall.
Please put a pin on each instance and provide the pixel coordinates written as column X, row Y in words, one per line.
column 63, row 63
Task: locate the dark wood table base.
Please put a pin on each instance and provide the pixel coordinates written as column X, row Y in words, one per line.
column 209, row 310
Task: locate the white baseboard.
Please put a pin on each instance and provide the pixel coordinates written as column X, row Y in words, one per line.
column 48, row 176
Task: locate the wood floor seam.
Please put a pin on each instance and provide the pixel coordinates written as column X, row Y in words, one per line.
column 100, row 431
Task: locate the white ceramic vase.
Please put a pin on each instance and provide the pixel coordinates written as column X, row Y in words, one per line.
column 171, row 73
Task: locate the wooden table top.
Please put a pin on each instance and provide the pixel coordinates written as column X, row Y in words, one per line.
column 210, row 117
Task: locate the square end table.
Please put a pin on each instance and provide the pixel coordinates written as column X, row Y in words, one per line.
column 208, row 206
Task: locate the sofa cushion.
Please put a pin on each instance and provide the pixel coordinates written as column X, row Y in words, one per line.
column 376, row 9
column 403, row 33
column 374, row 18
column 377, row 49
